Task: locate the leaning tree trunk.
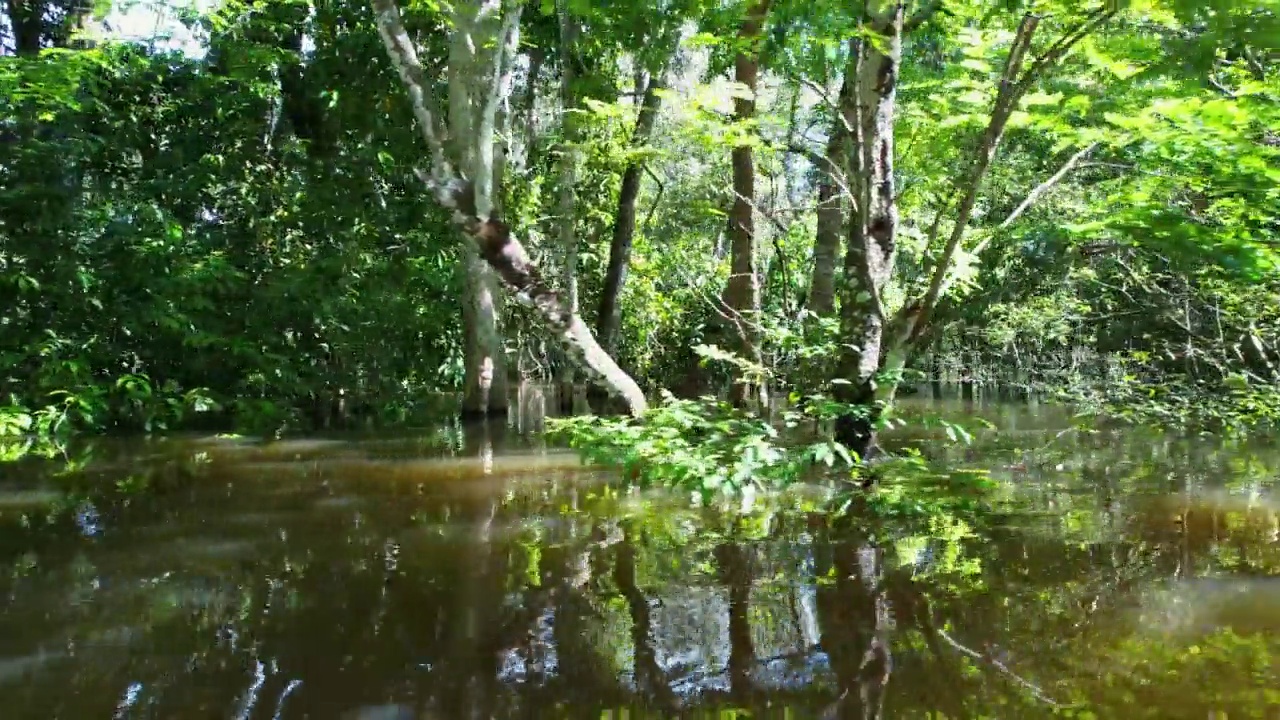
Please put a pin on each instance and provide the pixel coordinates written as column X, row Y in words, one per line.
column 742, row 294
column 488, row 27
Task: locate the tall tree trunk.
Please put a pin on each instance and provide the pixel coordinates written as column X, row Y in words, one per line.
column 826, row 248
column 567, row 201
column 874, row 226
column 469, row 197
column 472, row 128
column 734, row 568
column 742, row 294
column 26, row 25
column 649, row 675
column 536, row 58
column 624, row 224
column 484, row 358
column 35, row 24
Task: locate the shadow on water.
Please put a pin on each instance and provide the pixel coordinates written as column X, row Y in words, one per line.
column 474, row 572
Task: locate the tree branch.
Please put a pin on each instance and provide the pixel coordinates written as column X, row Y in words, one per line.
column 1007, row 97
column 1013, row 85
column 1064, row 44
column 1035, row 690
column 833, row 104
column 833, row 170
column 1222, row 89
column 425, row 108
column 648, row 218
column 814, row 157
column 1040, row 190
column 508, row 41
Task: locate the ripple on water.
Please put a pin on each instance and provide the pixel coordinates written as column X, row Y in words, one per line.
column 1196, row 606
column 28, row 499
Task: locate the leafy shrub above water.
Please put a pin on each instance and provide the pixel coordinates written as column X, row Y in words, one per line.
column 700, row 446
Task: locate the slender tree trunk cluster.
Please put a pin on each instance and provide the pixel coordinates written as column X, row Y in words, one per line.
column 857, row 201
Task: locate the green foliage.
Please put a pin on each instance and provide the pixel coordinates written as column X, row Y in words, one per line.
column 704, row 447
column 1231, row 405
column 176, row 251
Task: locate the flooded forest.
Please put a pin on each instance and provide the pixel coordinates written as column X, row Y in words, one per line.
column 399, row 360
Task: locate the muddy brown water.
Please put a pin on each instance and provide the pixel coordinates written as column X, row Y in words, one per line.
column 476, row 572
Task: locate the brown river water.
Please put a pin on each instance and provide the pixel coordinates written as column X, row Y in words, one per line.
column 478, row 573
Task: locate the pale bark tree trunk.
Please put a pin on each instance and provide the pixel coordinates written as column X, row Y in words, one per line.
column 472, row 128
column 873, row 227
column 494, row 31
column 624, row 224
column 484, row 363
column 742, row 293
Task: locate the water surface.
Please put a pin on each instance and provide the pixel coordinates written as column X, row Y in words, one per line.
column 466, row 573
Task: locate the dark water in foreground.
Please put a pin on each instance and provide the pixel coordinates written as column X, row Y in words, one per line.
column 480, row 574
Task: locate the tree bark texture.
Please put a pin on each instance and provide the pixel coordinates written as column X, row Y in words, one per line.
column 473, row 68
column 833, row 200
column 484, row 356
column 873, row 228
column 742, row 293
column 37, row 24
column 567, row 200
column 469, row 194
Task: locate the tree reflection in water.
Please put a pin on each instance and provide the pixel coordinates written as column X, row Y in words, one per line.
column 362, row 579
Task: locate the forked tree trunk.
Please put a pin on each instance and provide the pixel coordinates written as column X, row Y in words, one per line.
column 879, row 345
column 469, row 196
column 742, row 293
column 484, row 354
